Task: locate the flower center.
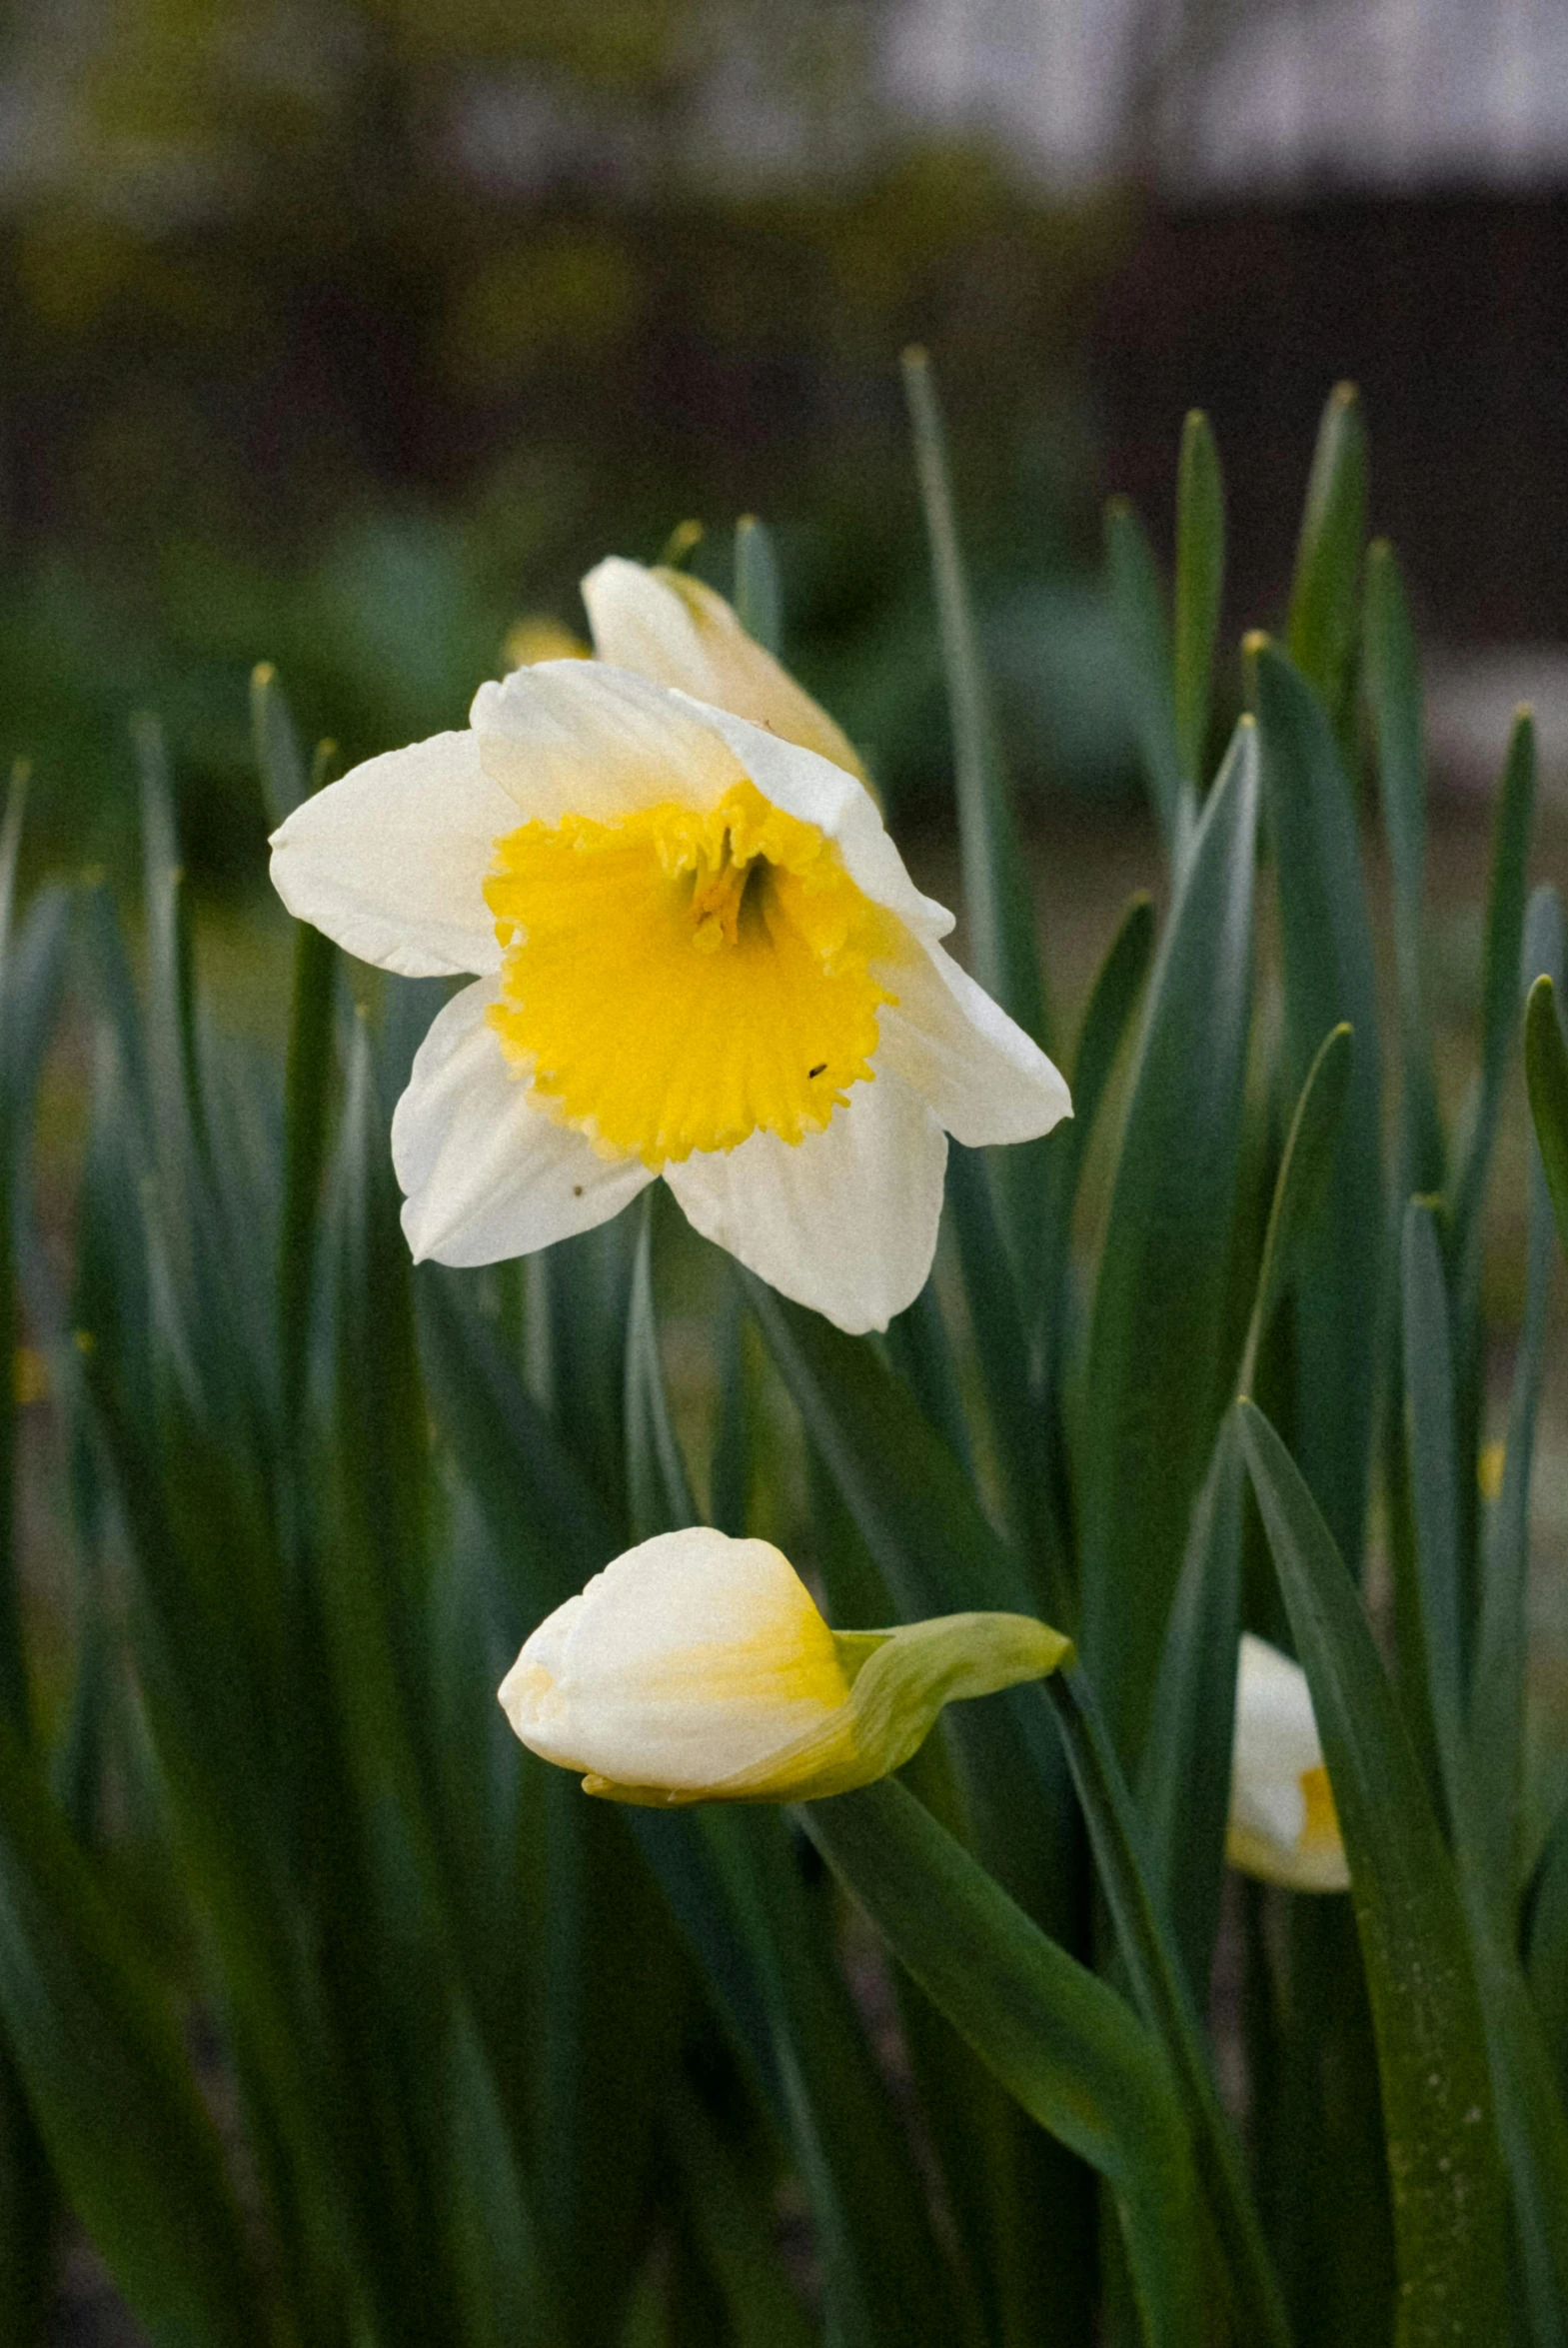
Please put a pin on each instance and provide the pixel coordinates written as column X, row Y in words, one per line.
column 675, row 982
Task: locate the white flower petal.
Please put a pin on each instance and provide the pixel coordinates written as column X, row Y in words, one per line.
column 1276, row 1728
column 687, row 1659
column 391, row 861
column 846, row 1221
column 1270, row 1832
column 579, row 738
column 679, row 632
column 485, row 1174
column 986, row 1079
column 817, row 792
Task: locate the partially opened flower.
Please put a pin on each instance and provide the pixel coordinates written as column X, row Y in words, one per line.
column 666, row 625
column 1282, row 1821
column 698, row 1668
column 697, row 954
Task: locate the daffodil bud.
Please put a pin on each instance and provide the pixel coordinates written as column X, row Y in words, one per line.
column 1282, row 1826
column 698, row 1668
column 666, row 625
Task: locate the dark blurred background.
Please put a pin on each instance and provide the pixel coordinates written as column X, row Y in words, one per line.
column 345, row 333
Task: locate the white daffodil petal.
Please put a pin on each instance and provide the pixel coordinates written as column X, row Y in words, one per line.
column 846, row 1221
column 986, row 1079
column 817, row 792
column 679, row 632
column 689, row 1660
column 1281, row 1825
column 486, row 1175
column 391, row 861
column 579, row 738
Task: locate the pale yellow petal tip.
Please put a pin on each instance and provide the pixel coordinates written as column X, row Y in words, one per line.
column 537, row 638
column 698, row 1668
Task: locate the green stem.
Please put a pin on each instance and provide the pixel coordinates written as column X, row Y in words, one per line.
column 1160, row 1988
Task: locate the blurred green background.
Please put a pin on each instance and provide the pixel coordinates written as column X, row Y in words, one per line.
column 344, row 333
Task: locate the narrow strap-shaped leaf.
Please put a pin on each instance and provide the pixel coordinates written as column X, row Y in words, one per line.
column 759, row 601
column 998, row 911
column 1392, row 675
column 1325, row 589
column 14, row 1693
column 1058, row 2038
column 1200, row 588
column 307, row 1110
column 1303, row 1179
column 657, row 1485
column 1153, row 1371
column 920, row 1349
column 1434, row 1475
column 1505, row 905
column 1113, row 997
column 1329, row 976
column 1546, row 1069
column 730, row 1474
column 1495, row 1747
column 1184, row 1779
column 1137, row 605
column 285, row 777
column 1450, row 2197
column 1153, row 1960
column 109, row 2083
column 376, row 1594
column 1547, row 1946
column 1532, row 2118
column 1002, row 1350
column 171, row 1007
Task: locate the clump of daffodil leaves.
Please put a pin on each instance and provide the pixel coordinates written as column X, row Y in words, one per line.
column 1122, row 1609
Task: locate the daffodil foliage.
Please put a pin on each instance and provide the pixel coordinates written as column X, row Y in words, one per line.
column 1009, row 1818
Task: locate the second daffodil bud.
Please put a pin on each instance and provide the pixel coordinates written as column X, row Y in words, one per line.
column 698, row 1668
column 1283, row 1827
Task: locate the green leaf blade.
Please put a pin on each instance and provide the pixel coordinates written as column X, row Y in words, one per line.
column 108, row 2080
column 1137, row 605
column 1329, row 977
column 1060, row 2039
column 1450, row 2195
column 1153, row 1342
column 1200, row 588
column 1323, row 595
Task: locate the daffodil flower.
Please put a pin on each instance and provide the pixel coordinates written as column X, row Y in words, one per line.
column 666, row 625
column 1282, row 1824
column 696, row 954
column 698, row 1668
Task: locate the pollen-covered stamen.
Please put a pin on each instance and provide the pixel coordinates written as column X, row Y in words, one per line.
column 676, row 980
column 718, row 895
